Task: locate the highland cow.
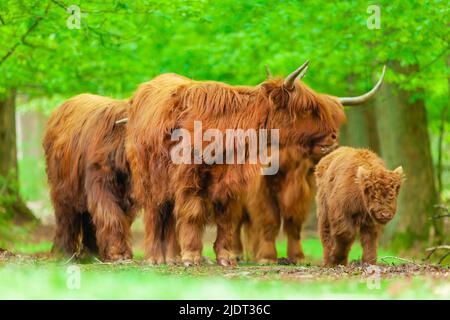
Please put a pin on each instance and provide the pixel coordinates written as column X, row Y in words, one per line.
column 281, row 199
column 355, row 192
column 272, row 200
column 180, row 199
column 89, row 177
column 284, row 198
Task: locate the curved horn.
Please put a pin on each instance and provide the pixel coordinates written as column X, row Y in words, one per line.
column 268, row 72
column 354, row 101
column 124, row 120
column 300, row 72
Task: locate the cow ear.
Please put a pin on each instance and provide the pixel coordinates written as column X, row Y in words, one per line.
column 399, row 171
column 361, row 174
column 276, row 94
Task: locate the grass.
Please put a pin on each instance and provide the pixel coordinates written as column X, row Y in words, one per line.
column 311, row 247
column 56, row 281
column 36, row 278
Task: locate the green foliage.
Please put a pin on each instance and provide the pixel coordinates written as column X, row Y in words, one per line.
column 121, row 44
column 33, row 180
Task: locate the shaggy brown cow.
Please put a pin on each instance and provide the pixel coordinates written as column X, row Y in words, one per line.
column 270, row 199
column 355, row 192
column 201, row 193
column 89, row 177
column 285, row 197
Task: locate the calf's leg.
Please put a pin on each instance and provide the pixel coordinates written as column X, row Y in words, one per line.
column 369, row 242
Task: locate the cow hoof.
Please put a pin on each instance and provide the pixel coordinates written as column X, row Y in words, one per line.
column 267, row 261
column 227, row 262
column 173, row 261
column 154, row 261
column 118, row 257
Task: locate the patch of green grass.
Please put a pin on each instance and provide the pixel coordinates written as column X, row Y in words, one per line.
column 26, row 278
column 32, row 248
column 311, row 247
column 50, row 281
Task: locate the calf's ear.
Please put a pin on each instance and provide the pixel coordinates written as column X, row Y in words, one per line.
column 399, row 171
column 361, row 174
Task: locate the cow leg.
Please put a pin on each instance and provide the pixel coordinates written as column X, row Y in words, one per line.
column 67, row 237
column 89, row 238
column 226, row 228
column 172, row 250
column 325, row 236
column 293, row 227
column 369, row 242
column 267, row 223
column 112, row 226
column 190, row 211
column 342, row 235
column 266, row 251
column 341, row 248
column 237, row 246
column 153, row 242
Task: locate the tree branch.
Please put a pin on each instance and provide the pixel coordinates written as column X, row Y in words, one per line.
column 23, row 37
column 446, row 247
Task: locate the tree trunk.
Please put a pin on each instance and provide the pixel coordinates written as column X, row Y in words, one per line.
column 441, row 138
column 360, row 131
column 404, row 140
column 8, row 159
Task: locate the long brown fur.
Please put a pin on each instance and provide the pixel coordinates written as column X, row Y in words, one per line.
column 200, row 193
column 355, row 192
column 89, row 177
column 273, row 200
column 284, row 198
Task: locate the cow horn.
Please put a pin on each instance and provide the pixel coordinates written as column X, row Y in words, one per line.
column 354, row 101
column 124, row 120
column 300, row 72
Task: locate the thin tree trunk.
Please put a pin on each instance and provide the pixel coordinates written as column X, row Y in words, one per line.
column 440, row 147
column 8, row 158
column 442, row 133
column 360, row 131
column 404, row 140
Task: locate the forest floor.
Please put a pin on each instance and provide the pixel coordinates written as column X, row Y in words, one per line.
column 28, row 271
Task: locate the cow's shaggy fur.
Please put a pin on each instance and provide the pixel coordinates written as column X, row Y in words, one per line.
column 284, row 198
column 179, row 200
column 355, row 192
column 272, row 200
column 89, row 177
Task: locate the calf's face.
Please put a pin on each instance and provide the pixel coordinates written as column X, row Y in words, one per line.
column 379, row 190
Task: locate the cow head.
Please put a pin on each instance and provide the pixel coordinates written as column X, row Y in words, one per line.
column 305, row 117
column 379, row 189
